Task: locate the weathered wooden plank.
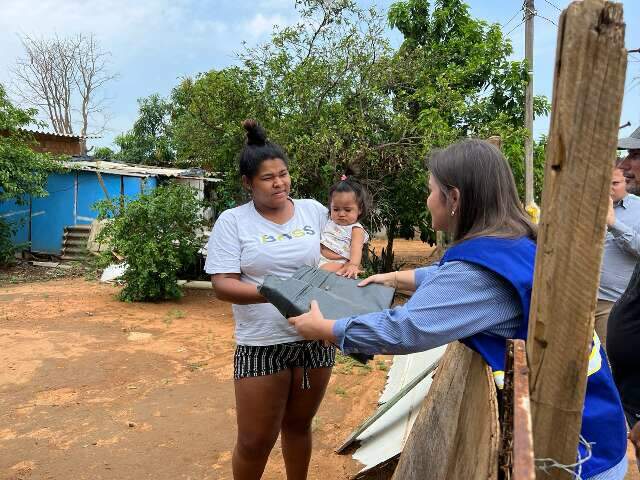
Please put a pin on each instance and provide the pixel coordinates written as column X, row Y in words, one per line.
column 523, row 467
column 587, row 97
column 516, row 444
column 456, row 434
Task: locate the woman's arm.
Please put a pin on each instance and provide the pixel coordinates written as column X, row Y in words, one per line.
column 457, row 301
column 400, row 280
column 352, row 267
column 229, row 288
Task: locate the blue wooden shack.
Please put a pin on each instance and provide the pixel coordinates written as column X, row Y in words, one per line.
column 41, row 222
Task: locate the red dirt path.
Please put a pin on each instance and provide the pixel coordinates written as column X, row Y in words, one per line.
column 93, row 388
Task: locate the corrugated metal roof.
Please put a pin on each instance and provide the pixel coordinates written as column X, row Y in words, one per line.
column 105, row 166
column 55, row 134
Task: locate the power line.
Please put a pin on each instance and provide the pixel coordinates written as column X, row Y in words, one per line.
column 519, row 25
column 553, row 5
column 545, row 18
column 514, row 16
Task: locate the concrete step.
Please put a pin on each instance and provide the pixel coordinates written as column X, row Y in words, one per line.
column 74, row 250
column 77, row 233
column 78, row 228
column 76, row 258
column 76, row 241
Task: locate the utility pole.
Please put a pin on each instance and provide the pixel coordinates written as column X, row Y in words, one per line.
column 529, row 11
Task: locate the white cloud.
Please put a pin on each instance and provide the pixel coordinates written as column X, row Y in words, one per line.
column 260, row 24
column 209, row 26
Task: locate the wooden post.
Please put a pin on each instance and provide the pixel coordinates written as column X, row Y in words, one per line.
column 529, row 15
column 587, row 98
column 456, row 434
column 101, row 181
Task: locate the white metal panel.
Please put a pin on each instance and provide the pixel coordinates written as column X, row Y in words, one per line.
column 386, row 437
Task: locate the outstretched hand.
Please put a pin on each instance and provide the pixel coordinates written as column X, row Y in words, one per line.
column 312, row 325
column 386, row 279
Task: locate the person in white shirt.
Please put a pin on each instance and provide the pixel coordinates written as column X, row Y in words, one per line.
column 343, row 237
column 279, row 378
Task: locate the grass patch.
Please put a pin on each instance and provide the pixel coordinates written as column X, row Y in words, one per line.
column 341, row 392
column 382, row 365
column 347, row 365
column 315, row 423
column 172, row 315
column 195, row 366
column 364, row 369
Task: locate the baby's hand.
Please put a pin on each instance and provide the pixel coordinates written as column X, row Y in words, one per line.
column 349, row 270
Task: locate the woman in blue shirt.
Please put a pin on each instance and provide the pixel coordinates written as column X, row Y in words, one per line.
column 478, row 294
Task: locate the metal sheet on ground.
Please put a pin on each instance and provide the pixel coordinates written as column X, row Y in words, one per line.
column 386, row 437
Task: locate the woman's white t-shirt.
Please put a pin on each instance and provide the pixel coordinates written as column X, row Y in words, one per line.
column 243, row 241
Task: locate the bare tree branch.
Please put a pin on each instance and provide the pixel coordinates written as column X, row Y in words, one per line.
column 56, row 73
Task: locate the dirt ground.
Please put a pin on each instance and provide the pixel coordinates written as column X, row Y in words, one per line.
column 93, row 388
column 408, row 253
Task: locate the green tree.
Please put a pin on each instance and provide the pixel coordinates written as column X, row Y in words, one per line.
column 455, row 80
column 23, row 172
column 207, row 112
column 157, row 235
column 340, row 97
column 149, row 142
column 104, row 153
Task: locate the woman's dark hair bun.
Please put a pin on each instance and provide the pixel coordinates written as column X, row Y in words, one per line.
column 257, row 149
column 256, row 135
column 349, row 171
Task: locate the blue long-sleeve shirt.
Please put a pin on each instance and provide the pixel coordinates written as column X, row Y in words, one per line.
column 621, row 249
column 452, row 301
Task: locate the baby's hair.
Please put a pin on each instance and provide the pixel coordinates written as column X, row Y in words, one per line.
column 348, row 183
column 257, row 149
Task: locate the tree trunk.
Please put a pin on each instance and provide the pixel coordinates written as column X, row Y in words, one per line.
column 388, row 254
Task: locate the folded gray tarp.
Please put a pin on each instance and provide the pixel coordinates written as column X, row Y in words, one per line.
column 337, row 296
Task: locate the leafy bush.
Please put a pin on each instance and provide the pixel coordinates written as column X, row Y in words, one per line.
column 373, row 263
column 104, row 153
column 7, row 248
column 157, row 235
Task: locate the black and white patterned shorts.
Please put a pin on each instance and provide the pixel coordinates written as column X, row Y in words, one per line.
column 256, row 361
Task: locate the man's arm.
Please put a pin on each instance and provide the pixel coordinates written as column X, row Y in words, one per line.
column 624, row 236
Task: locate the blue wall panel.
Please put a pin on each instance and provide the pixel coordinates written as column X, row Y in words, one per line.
column 90, row 191
column 149, row 184
column 18, row 217
column 49, row 215
column 132, row 187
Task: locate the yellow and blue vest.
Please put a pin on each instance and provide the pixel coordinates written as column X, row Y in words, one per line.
column 603, row 422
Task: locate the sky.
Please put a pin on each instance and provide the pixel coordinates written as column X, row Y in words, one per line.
column 155, row 43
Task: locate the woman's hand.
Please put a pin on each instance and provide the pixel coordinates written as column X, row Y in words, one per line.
column 387, row 279
column 349, row 270
column 611, row 215
column 312, row 325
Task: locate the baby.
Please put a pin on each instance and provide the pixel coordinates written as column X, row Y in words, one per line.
column 343, row 237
